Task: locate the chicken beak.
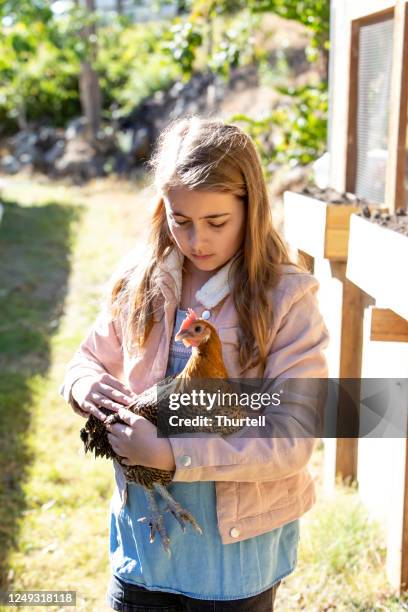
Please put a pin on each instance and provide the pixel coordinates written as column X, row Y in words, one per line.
column 182, row 335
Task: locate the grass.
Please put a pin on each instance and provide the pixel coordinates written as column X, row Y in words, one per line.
column 58, row 246
column 58, row 249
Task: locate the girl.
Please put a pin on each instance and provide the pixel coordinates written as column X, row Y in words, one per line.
column 212, row 248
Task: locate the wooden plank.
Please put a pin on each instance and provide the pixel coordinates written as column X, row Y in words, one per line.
column 351, row 351
column 404, row 539
column 338, row 215
column 397, row 139
column 340, row 92
column 336, row 245
column 386, row 326
column 337, row 231
column 363, row 9
column 370, row 11
column 317, row 228
column 375, row 253
column 305, row 222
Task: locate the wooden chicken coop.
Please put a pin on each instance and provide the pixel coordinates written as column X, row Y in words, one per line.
column 359, row 251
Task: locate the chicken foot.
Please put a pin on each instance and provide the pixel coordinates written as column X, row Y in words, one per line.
column 155, row 521
column 176, row 509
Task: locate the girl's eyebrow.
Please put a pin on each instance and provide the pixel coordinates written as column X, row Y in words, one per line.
column 207, row 217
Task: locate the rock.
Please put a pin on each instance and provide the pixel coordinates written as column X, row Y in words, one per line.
column 46, row 138
column 80, row 161
column 10, row 164
column 55, row 152
column 75, row 128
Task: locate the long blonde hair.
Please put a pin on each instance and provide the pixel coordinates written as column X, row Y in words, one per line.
column 206, row 154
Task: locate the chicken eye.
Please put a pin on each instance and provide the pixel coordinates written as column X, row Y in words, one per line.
column 197, row 328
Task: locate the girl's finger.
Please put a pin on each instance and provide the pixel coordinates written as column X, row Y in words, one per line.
column 111, row 381
column 115, row 395
column 92, row 409
column 101, row 399
column 127, row 416
column 114, row 444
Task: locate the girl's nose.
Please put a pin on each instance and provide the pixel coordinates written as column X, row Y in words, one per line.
column 197, row 243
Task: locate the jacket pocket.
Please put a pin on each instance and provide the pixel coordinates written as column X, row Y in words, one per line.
column 256, row 498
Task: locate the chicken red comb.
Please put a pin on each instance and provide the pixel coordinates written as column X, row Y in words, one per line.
column 190, row 317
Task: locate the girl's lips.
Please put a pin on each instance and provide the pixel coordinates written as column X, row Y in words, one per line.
column 202, row 256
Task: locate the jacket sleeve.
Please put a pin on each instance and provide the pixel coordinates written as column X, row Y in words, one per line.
column 297, row 352
column 99, row 352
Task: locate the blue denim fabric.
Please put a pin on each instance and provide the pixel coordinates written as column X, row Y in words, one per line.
column 200, row 566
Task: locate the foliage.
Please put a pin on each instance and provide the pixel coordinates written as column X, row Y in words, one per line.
column 37, row 78
column 314, row 14
column 294, row 132
column 222, row 31
column 132, row 65
column 181, row 43
column 26, row 11
column 40, row 67
column 41, row 55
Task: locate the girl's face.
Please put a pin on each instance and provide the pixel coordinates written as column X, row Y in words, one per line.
column 205, row 223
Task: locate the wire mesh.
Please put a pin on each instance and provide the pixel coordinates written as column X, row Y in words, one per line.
column 374, row 88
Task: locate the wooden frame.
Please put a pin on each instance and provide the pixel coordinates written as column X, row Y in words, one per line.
column 386, row 326
column 344, row 70
column 351, row 155
column 373, row 268
column 374, row 251
column 326, row 238
column 327, row 225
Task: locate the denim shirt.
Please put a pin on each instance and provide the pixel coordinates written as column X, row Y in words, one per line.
column 201, row 566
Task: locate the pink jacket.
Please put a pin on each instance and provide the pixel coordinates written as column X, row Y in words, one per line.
column 261, row 482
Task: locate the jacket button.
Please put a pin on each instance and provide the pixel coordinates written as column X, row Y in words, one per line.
column 206, row 314
column 185, row 460
column 234, row 532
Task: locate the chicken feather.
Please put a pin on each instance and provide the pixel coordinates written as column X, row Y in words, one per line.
column 206, row 362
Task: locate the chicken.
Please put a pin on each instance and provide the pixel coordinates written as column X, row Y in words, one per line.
column 205, row 362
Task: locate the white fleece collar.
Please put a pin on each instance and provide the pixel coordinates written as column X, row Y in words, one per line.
column 211, row 293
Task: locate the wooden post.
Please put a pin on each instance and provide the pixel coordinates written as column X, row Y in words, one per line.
column 351, row 350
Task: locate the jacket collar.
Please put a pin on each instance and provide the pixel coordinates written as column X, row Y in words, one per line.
column 209, row 295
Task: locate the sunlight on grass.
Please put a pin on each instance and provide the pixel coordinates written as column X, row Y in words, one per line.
column 55, row 511
column 54, row 514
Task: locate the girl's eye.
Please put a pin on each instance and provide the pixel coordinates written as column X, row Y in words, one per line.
column 212, row 224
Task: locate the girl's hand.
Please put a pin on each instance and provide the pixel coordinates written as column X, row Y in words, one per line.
column 137, row 443
column 92, row 392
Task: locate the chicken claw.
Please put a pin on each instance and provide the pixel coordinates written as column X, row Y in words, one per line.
column 156, row 524
column 180, row 513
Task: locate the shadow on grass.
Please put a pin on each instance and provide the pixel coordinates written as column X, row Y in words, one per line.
column 34, row 268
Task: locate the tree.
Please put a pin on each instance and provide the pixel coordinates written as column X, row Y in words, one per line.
column 90, row 92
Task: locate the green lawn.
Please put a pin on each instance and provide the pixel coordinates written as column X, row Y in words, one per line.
column 58, row 246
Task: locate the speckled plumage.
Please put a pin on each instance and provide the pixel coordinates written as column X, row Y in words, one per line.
column 206, row 362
